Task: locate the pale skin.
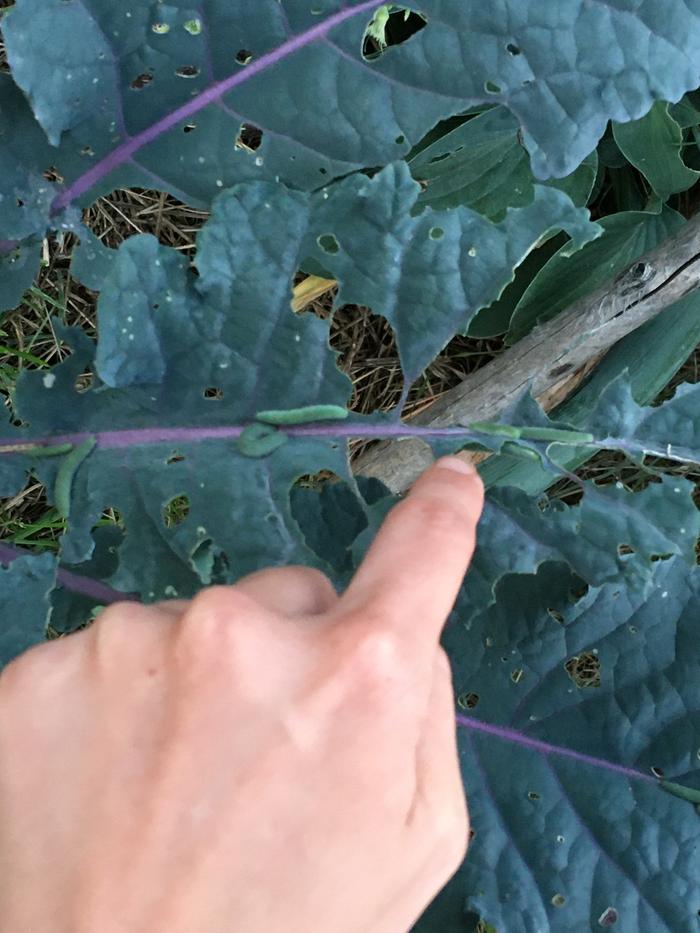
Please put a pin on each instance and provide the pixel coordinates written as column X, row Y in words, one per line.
column 265, row 758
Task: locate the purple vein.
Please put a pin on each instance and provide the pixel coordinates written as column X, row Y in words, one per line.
column 75, row 582
column 126, row 150
column 545, row 748
column 130, row 437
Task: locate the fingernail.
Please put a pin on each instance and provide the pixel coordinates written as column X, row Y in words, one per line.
column 457, row 464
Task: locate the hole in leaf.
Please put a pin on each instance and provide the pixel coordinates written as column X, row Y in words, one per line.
column 436, row 233
column 472, row 833
column 513, row 48
column 20, row 202
column 84, row 381
column 584, row 670
column 556, row 615
column 657, row 772
column 188, row 127
column 141, row 81
column 517, row 675
column 112, row 516
column 175, row 511
column 160, row 29
column 400, row 140
column 609, row 917
column 175, row 457
column 467, row 700
column 187, row 71
column 87, row 151
column 214, row 392
column 558, row 900
column 624, row 550
column 328, row 243
column 390, row 28
column 323, row 171
column 577, row 594
column 249, row 137
column 658, row 557
column 53, row 175
column 244, row 57
column 533, row 795
column 492, row 88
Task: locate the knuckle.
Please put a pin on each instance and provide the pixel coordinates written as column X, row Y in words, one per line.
column 216, row 617
column 375, row 659
column 217, row 607
column 118, row 627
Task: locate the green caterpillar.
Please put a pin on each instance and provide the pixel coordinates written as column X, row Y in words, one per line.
column 685, row 793
column 520, row 453
column 37, row 450
column 259, row 440
column 66, row 473
column 302, row 415
column 532, row 434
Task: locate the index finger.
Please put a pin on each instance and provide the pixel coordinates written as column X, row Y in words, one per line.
column 416, row 564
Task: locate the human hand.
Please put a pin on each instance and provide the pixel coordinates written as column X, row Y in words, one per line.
column 267, row 757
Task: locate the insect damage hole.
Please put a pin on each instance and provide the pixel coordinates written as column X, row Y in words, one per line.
column 244, row 57
column 584, row 670
column 328, row 243
column 187, row 71
column 390, row 27
column 467, row 700
column 214, row 392
column 141, row 81
column 249, row 137
column 53, row 175
column 84, row 381
column 609, row 917
column 175, row 511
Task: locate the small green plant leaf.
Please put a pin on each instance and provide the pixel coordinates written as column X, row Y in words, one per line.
column 654, row 144
column 566, row 278
column 482, row 164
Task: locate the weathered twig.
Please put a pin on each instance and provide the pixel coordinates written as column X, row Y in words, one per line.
column 554, row 358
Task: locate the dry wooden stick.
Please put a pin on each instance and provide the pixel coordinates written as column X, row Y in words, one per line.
column 554, row 358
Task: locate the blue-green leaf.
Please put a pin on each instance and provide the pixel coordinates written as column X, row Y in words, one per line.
column 25, row 586
column 569, row 702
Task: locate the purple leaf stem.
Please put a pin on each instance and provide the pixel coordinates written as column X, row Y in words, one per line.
column 545, row 748
column 130, row 437
column 132, row 144
column 75, row 582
